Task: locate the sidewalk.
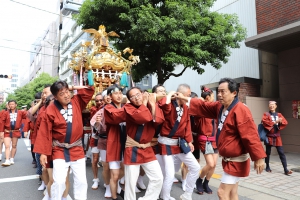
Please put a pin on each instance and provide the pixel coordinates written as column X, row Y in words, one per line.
column 268, row 186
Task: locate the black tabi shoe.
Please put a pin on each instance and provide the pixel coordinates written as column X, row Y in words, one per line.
column 268, row 169
column 122, row 193
column 288, row 172
column 199, row 186
column 206, row 187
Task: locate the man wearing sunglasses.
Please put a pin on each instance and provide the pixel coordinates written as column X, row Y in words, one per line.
column 98, row 104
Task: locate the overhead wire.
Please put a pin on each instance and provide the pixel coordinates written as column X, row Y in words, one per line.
column 42, row 38
column 31, row 51
column 37, row 8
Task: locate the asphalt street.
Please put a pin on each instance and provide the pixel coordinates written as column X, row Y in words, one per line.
column 20, row 182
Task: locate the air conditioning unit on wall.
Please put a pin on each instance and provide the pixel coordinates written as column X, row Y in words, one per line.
column 70, row 7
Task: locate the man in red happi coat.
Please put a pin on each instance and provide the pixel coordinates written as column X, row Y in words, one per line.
column 11, row 121
column 115, row 117
column 237, row 138
column 274, row 122
column 33, row 114
column 177, row 127
column 142, row 118
column 61, row 131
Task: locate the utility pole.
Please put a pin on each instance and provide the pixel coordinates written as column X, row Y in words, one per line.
column 59, row 34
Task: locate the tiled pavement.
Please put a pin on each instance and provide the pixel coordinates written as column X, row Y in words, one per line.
column 274, row 185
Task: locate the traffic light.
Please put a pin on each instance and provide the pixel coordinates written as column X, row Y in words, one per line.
column 5, row 76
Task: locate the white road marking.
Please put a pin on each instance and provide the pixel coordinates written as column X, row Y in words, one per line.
column 27, row 142
column 20, row 178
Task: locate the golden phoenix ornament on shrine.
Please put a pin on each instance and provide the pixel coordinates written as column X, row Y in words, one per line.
column 98, row 60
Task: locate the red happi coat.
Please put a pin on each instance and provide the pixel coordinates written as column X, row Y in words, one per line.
column 113, row 117
column 238, row 135
column 33, row 135
column 31, row 128
column 94, row 110
column 1, row 122
column 54, row 127
column 5, row 123
column 135, row 117
column 102, row 142
column 205, row 128
column 194, row 127
column 183, row 131
column 273, row 134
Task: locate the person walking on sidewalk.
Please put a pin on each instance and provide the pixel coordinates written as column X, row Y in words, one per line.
column 11, row 121
column 274, row 122
column 236, row 138
column 207, row 130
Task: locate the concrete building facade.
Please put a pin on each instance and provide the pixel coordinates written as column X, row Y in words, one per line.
column 277, row 39
column 72, row 37
column 45, row 56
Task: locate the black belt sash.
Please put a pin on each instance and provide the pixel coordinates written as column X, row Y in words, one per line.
column 12, row 124
column 68, row 132
column 174, row 129
column 122, row 140
column 234, row 102
column 137, row 138
column 122, row 136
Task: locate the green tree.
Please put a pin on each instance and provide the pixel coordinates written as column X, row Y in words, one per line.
column 166, row 33
column 25, row 95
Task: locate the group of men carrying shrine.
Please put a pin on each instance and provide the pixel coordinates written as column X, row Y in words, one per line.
column 151, row 133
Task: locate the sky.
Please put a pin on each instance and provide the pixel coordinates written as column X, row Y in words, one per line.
column 20, row 26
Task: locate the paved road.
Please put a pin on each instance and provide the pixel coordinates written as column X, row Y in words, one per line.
column 19, row 182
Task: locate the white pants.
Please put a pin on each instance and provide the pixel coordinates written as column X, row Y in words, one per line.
column 60, row 170
column 102, row 155
column 229, row 179
column 172, row 165
column 154, row 174
column 161, row 163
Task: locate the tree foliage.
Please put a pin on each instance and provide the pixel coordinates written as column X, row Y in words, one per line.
column 25, row 95
column 166, row 33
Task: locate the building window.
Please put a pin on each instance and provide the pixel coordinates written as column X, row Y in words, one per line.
column 76, row 31
column 145, row 81
column 13, row 85
column 15, row 75
column 65, row 43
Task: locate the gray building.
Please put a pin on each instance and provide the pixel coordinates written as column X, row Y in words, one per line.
column 45, row 53
column 72, row 37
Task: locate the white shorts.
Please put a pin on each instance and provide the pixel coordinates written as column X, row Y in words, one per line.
column 103, row 155
column 95, row 150
column 115, row 165
column 229, row 179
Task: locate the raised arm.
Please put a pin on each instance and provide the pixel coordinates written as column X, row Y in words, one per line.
column 113, row 115
column 140, row 115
